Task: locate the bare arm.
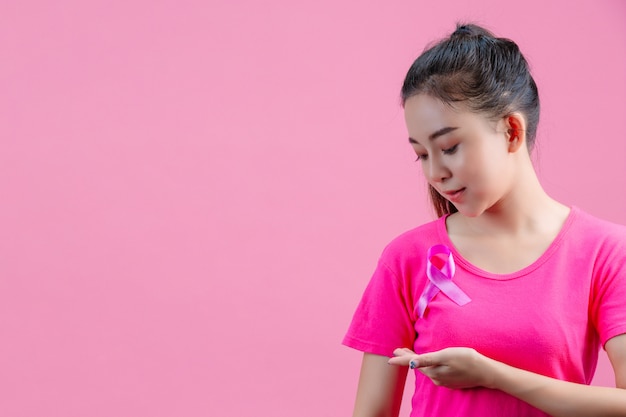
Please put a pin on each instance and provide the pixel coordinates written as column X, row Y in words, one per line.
column 560, row 398
column 380, row 388
column 616, row 349
column 465, row 368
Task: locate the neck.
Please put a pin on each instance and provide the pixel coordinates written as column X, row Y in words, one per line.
column 526, row 208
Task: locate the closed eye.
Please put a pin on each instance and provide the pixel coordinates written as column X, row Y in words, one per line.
column 421, row 157
column 451, row 150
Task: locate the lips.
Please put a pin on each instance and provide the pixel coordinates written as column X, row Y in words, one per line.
column 453, row 194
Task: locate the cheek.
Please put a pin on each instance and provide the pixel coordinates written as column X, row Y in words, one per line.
column 492, row 159
column 474, row 166
column 485, row 170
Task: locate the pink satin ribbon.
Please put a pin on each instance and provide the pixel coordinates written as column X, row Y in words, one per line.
column 440, row 280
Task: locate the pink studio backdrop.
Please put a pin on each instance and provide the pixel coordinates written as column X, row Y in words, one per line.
column 194, row 194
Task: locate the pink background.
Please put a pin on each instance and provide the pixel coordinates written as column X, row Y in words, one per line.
column 194, row 194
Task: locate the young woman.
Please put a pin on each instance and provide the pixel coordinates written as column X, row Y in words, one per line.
column 500, row 305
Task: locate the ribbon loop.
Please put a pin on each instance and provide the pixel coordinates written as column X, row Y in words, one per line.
column 440, row 279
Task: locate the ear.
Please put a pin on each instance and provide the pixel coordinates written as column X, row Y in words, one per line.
column 515, row 131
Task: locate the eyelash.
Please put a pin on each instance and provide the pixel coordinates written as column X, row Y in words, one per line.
column 449, row 151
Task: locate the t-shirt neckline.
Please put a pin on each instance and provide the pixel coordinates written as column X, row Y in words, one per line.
column 460, row 260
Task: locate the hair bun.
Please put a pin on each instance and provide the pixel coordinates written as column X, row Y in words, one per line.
column 469, row 31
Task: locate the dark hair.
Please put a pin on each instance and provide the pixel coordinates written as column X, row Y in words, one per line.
column 488, row 74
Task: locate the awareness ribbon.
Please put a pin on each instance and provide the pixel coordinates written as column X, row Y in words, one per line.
column 440, row 280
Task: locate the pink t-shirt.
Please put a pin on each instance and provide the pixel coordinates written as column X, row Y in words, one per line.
column 550, row 317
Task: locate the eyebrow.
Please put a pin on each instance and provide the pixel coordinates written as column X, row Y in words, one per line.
column 435, row 135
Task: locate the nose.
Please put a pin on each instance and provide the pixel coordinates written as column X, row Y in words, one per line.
column 436, row 171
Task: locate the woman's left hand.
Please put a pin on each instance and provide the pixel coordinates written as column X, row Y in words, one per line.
column 455, row 368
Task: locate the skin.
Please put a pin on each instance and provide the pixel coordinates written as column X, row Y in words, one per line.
column 483, row 166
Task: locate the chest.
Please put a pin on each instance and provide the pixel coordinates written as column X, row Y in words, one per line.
column 535, row 322
column 501, row 255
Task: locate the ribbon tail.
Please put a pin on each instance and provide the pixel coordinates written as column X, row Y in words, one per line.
column 428, row 294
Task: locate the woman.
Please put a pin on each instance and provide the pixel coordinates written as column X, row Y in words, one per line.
column 502, row 304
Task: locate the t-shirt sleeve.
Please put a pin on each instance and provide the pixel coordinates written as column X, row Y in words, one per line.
column 608, row 307
column 383, row 319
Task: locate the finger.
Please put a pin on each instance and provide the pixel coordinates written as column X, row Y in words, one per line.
column 425, row 361
column 403, row 351
column 433, row 358
column 407, row 357
column 398, row 352
column 416, row 362
column 403, row 360
column 430, row 371
column 435, row 375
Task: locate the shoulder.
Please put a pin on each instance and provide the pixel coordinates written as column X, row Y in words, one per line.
column 591, row 230
column 600, row 242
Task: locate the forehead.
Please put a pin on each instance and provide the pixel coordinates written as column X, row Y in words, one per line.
column 425, row 115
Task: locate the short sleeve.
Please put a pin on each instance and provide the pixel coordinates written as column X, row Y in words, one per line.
column 382, row 321
column 608, row 306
